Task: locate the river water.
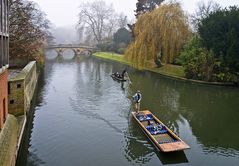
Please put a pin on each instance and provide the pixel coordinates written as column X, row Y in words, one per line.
column 80, row 116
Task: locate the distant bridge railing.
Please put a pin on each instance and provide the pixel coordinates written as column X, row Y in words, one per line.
column 69, row 46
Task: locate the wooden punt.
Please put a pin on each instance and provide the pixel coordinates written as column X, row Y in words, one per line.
column 160, row 135
column 117, row 78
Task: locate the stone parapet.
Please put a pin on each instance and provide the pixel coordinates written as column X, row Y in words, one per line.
column 8, row 141
column 21, row 89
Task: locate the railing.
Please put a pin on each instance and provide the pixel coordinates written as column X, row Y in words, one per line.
column 69, row 46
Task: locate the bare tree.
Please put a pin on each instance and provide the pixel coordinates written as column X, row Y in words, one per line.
column 97, row 17
column 122, row 20
column 116, row 21
column 111, row 26
column 203, row 11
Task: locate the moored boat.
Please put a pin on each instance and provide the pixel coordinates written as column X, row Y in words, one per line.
column 160, row 135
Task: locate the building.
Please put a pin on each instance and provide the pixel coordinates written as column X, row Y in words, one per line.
column 4, row 61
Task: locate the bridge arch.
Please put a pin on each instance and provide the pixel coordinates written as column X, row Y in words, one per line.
column 77, row 49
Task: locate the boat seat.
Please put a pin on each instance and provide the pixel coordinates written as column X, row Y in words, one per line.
column 143, row 117
column 158, row 129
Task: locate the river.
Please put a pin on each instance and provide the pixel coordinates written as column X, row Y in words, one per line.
column 80, row 116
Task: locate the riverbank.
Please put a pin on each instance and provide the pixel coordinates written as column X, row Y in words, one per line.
column 168, row 70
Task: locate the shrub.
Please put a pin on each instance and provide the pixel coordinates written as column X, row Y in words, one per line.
column 201, row 64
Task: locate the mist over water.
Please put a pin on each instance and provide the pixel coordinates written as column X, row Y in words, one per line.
column 66, row 35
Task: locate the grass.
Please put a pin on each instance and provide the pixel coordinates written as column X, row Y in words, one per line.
column 170, row 70
column 167, row 69
column 112, row 56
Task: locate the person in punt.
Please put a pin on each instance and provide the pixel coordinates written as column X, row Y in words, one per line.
column 124, row 73
column 137, row 98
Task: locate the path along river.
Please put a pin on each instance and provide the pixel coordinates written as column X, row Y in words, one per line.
column 82, row 117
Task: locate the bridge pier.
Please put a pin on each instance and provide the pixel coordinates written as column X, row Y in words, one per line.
column 59, row 51
column 77, row 51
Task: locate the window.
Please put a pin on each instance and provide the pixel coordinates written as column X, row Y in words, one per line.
column 11, row 101
column 19, row 85
column 4, row 111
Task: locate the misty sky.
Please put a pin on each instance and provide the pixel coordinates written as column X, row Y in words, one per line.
column 64, row 12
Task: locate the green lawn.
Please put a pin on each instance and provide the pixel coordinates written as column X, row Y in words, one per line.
column 170, row 70
column 111, row 56
column 167, row 69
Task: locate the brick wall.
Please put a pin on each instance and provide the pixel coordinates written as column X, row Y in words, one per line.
column 3, row 97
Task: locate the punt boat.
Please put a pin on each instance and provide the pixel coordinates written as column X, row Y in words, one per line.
column 117, row 78
column 160, row 135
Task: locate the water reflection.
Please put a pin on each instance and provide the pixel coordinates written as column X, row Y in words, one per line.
column 34, row 159
column 162, row 95
column 31, row 156
column 79, row 107
column 50, row 54
column 79, row 101
column 213, row 117
column 68, row 54
column 136, row 149
column 122, row 85
column 210, row 111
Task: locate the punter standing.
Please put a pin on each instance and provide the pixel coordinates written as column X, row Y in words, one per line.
column 137, row 98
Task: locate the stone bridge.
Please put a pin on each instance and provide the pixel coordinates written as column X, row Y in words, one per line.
column 76, row 48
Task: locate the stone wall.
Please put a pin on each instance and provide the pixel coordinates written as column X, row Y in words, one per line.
column 8, row 141
column 30, row 83
column 21, row 89
column 3, row 98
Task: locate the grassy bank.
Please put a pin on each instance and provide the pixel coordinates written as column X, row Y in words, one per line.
column 111, row 56
column 168, row 70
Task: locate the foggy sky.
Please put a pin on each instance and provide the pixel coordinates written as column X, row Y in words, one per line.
column 64, row 12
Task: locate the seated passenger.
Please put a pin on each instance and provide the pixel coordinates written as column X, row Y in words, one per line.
column 117, row 74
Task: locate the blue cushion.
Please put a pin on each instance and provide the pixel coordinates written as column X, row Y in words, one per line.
column 155, row 131
column 158, row 132
column 150, row 116
column 144, row 117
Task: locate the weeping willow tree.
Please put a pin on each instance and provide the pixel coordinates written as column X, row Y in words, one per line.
column 160, row 33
